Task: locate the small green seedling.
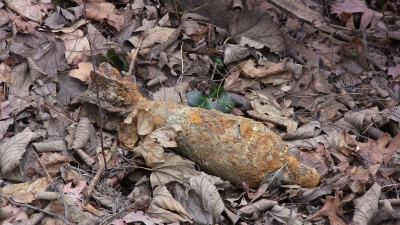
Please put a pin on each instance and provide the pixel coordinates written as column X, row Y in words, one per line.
column 115, row 60
column 217, row 99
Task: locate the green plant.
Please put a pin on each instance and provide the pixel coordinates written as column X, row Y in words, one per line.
column 218, row 62
column 115, row 60
column 217, row 99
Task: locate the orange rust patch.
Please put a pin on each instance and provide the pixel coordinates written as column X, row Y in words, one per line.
column 219, row 124
column 246, row 130
column 195, row 117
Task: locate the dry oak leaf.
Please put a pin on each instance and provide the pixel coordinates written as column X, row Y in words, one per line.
column 377, row 150
column 75, row 192
column 332, row 210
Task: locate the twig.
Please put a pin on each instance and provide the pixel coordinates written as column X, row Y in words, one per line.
column 35, row 208
column 41, row 164
column 134, row 56
column 97, row 88
column 63, row 200
column 98, row 174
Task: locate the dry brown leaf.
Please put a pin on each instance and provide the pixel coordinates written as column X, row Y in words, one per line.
column 366, row 206
column 259, row 206
column 164, row 206
column 166, row 136
column 235, row 83
column 286, row 216
column 82, row 134
column 151, row 151
column 256, row 29
column 6, row 18
column 167, row 94
column 354, row 6
column 26, row 9
column 117, row 21
column 51, row 163
column 145, row 122
column 211, row 201
column 288, row 123
column 23, row 26
column 50, row 146
column 332, row 209
column 46, row 52
column 235, row 53
column 157, row 80
column 75, row 212
column 154, row 35
column 13, row 149
column 98, row 41
column 377, row 150
column 139, row 216
column 83, row 73
column 5, row 70
column 99, row 11
column 4, row 124
column 175, row 168
column 127, row 134
column 75, row 192
column 250, row 69
column 24, row 192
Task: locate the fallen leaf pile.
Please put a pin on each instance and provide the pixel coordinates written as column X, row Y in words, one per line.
column 323, row 75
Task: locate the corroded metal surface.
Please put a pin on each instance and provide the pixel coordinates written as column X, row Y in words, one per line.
column 231, row 147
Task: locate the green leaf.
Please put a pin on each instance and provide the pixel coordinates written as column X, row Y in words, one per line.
column 218, row 62
column 354, row 53
column 218, row 99
column 115, row 60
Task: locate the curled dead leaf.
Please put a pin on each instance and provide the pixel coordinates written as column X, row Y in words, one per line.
column 82, row 134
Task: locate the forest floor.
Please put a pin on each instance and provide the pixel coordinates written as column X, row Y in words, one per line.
column 324, row 76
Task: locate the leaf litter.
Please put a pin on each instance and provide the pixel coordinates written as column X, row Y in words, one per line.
column 322, row 75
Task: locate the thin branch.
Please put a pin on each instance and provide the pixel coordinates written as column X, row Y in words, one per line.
column 97, row 88
column 35, row 208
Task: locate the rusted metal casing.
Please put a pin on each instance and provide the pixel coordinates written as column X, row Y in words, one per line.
column 231, row 147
